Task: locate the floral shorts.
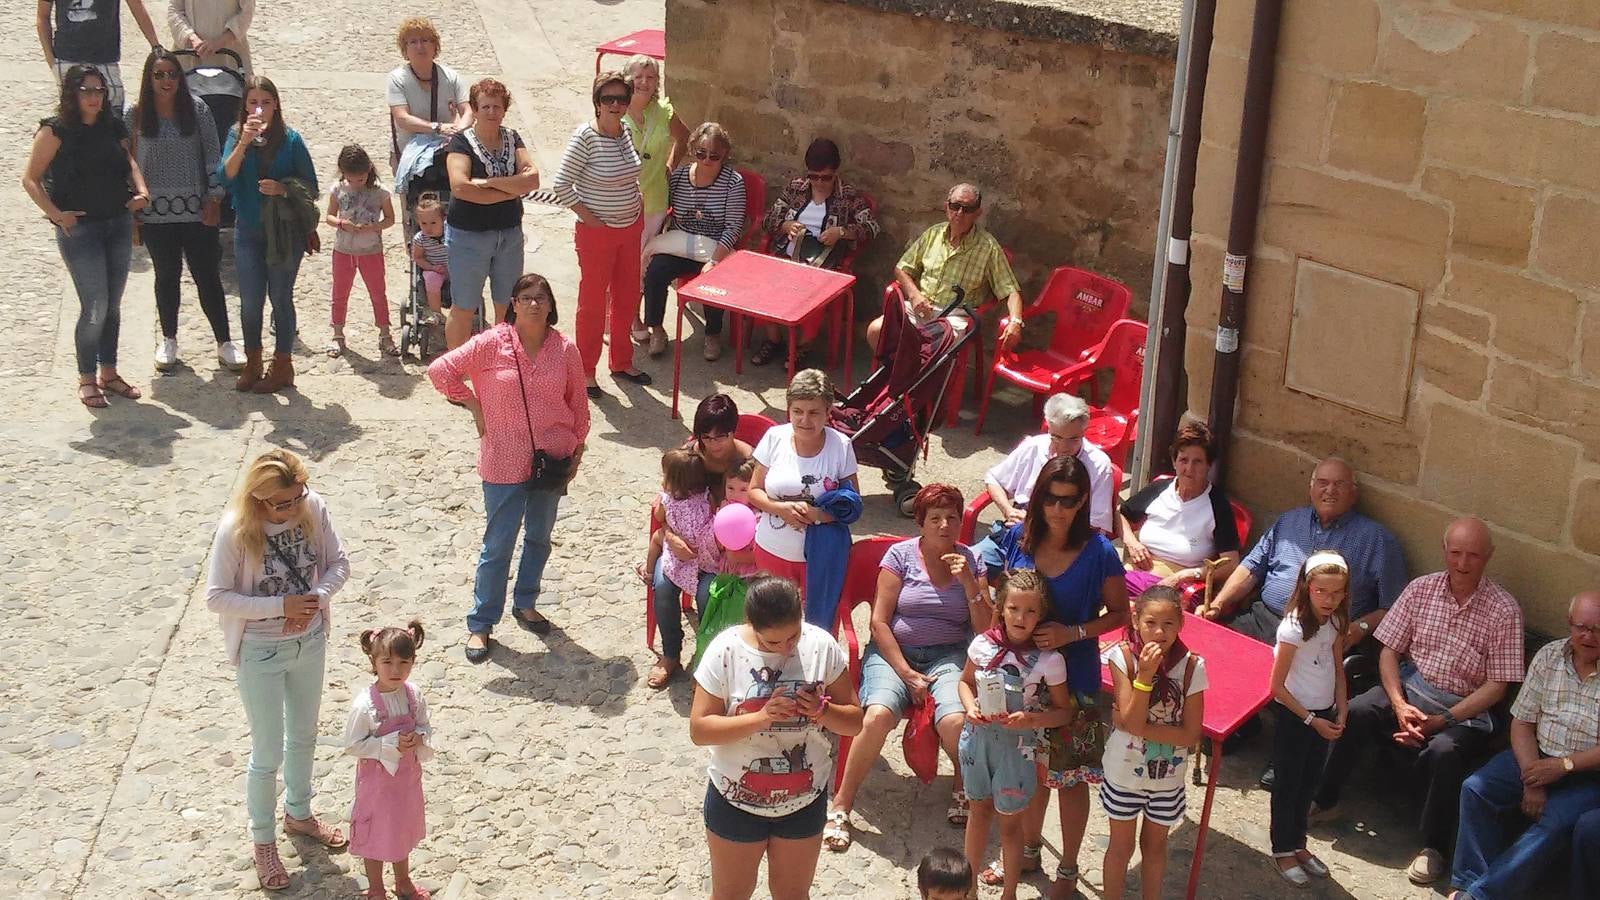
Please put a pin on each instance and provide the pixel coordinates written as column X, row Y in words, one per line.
column 1080, row 744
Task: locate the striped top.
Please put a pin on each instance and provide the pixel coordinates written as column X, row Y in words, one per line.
column 179, row 169
column 433, row 249
column 714, row 211
column 602, row 173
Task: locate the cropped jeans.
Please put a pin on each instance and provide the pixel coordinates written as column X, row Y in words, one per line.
column 280, row 683
column 510, row 508
column 669, row 614
column 97, row 253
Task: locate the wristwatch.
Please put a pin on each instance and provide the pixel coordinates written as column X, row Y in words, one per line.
column 1567, row 763
column 1364, row 625
column 436, row 128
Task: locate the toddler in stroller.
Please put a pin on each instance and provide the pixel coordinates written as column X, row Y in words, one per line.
column 429, row 255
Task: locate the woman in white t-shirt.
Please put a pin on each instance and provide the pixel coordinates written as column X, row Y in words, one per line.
column 1175, row 525
column 795, row 465
column 1159, row 687
column 1309, row 690
column 767, row 694
column 424, row 96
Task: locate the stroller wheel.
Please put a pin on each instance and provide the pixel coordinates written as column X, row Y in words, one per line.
column 905, row 494
column 405, row 339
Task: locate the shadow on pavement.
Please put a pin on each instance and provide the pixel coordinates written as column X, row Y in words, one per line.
column 565, row 672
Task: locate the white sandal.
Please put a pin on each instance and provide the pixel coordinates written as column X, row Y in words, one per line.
column 836, row 834
column 1295, row 875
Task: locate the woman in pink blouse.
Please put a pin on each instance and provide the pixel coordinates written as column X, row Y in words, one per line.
column 527, row 398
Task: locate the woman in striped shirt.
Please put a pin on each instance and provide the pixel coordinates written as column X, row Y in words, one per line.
column 599, row 181
column 707, row 200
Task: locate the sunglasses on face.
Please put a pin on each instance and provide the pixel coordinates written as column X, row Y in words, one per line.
column 613, row 99
column 88, row 91
column 707, row 155
column 1067, row 501
column 286, row 505
column 959, row 207
column 162, row 75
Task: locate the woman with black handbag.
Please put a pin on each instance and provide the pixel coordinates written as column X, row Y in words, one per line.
column 527, row 399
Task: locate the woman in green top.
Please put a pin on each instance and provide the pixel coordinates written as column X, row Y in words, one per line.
column 660, row 137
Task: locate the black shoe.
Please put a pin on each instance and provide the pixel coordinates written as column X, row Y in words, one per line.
column 594, row 392
column 1268, row 776
column 642, row 378
column 476, row 655
column 539, row 626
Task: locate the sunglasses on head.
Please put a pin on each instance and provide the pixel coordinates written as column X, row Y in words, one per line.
column 1065, row 500
column 286, row 505
column 613, row 99
column 959, row 207
column 707, row 155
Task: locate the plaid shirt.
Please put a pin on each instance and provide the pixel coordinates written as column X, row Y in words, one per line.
column 977, row 264
column 1377, row 567
column 1456, row 647
column 1564, row 708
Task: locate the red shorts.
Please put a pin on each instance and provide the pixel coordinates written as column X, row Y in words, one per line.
column 768, row 564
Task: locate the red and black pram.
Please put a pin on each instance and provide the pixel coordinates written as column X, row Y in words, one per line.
column 889, row 414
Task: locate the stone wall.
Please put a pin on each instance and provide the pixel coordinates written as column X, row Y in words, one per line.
column 1440, row 158
column 1057, row 111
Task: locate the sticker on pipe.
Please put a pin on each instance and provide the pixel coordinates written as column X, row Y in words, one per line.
column 1227, row 340
column 1233, row 266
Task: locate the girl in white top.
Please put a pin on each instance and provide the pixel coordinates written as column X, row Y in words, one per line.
column 1159, row 687
column 1309, row 690
column 275, row 563
column 767, row 693
column 796, row 464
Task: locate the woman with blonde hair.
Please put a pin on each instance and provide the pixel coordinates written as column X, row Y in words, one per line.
column 275, row 563
column 661, row 139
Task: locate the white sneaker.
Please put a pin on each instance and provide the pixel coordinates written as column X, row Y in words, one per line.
column 167, row 353
column 230, row 356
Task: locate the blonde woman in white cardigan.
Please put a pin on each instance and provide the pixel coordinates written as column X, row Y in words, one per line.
column 275, row 563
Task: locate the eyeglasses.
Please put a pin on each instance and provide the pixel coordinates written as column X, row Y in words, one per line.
column 1590, row 630
column 531, row 299
column 1065, row 438
column 821, row 176
column 959, row 207
column 88, row 91
column 286, row 505
column 1339, row 484
column 707, row 155
column 1066, row 500
column 613, row 99
column 160, row 75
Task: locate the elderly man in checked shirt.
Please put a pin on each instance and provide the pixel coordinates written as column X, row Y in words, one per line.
column 1451, row 645
column 1551, row 774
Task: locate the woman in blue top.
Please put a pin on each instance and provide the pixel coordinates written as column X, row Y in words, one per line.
column 1088, row 597
column 253, row 169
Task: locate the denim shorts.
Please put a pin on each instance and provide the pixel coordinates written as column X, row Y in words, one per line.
column 994, row 767
column 731, row 823
column 880, row 686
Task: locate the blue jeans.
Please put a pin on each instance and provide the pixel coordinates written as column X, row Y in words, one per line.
column 280, row 683
column 1485, row 867
column 1586, row 856
column 97, row 253
column 510, row 507
column 669, row 615
column 479, row 256
column 258, row 282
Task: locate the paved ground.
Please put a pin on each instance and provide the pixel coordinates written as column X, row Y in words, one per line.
column 122, row 746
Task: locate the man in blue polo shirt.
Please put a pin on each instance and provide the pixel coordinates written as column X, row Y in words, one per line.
column 1330, row 522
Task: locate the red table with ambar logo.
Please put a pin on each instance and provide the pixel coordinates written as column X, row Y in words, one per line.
column 766, row 289
column 1239, row 670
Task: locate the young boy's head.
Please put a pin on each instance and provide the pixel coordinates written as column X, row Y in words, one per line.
column 944, row 875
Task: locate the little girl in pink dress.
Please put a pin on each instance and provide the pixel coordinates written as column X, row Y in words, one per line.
column 686, row 508
column 389, row 733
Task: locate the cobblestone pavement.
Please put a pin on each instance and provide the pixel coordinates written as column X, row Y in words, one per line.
column 122, row 744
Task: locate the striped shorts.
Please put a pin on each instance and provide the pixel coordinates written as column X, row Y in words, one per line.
column 1161, row 807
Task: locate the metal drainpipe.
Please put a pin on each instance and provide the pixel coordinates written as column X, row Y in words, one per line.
column 1242, row 227
column 1169, row 181
column 1170, row 330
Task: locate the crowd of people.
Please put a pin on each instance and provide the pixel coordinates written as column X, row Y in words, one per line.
column 1008, row 639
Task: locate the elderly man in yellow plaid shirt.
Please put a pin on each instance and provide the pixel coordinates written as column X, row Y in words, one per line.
column 959, row 252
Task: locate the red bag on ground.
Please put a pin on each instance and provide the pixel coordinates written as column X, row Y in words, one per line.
column 920, row 743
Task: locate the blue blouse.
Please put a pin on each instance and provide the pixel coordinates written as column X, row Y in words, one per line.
column 1074, row 598
column 292, row 160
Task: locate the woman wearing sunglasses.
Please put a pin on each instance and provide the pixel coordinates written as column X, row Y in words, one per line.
column 1088, row 597
column 527, row 400
column 83, row 177
column 820, row 221
column 707, row 200
column 275, row 564
column 599, row 181
column 175, row 143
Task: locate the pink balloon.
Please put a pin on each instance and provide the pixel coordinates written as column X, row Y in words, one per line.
column 734, row 526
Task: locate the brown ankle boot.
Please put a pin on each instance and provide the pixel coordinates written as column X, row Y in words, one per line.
column 280, row 374
column 252, row 371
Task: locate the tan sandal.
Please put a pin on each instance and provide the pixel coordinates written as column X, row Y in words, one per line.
column 310, row 827
column 269, row 868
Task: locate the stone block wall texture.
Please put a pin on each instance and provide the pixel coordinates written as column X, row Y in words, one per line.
column 1060, row 116
column 1446, row 147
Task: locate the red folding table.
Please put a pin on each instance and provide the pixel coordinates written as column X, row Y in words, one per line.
column 766, row 289
column 1239, row 670
column 652, row 42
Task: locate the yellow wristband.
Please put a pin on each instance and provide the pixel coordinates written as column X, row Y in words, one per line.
column 1141, row 686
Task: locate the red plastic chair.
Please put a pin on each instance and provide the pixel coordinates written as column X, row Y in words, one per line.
column 752, row 427
column 860, row 586
column 1085, row 306
column 1114, row 426
column 969, row 519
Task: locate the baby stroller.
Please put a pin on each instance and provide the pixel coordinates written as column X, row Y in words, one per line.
column 414, row 332
column 889, row 414
column 221, row 89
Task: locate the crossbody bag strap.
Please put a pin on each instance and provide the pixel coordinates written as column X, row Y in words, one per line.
column 433, row 109
column 533, row 445
column 289, row 564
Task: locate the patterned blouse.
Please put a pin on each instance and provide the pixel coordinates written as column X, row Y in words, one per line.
column 556, row 412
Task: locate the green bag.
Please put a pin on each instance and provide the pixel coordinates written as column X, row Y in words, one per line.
column 724, row 609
